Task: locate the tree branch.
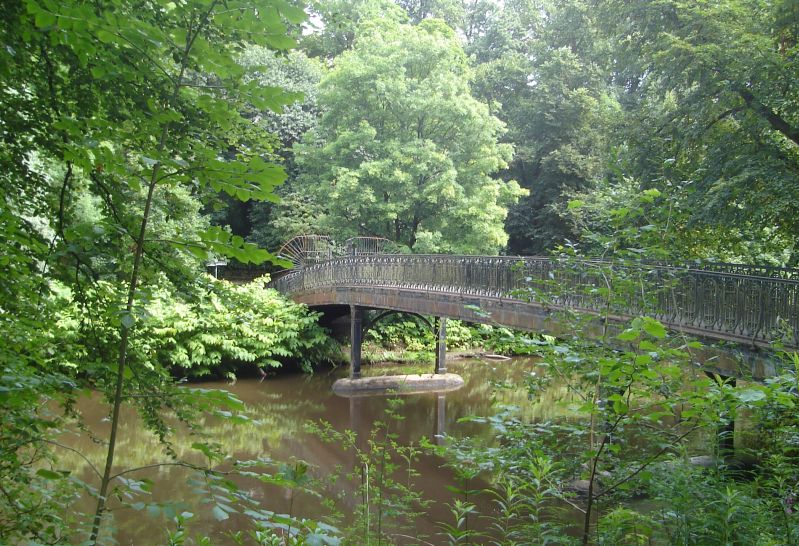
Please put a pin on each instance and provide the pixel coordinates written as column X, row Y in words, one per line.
column 158, row 465
column 723, row 115
column 82, row 456
column 777, row 123
column 649, row 461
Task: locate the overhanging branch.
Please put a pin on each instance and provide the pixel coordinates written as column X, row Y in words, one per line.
column 777, row 123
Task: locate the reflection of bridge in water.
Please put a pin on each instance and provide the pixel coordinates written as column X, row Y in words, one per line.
column 754, row 306
column 437, row 435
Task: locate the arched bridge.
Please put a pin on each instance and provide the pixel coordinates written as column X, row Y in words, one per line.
column 746, row 304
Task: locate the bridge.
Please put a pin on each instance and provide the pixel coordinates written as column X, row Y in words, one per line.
column 755, row 306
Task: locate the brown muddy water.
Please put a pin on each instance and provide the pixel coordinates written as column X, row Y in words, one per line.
column 281, row 406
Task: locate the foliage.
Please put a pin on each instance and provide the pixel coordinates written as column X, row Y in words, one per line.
column 666, row 93
column 695, row 99
column 31, row 493
column 640, row 401
column 415, row 336
column 664, row 129
column 387, row 500
column 263, row 222
column 541, row 78
column 659, row 220
column 217, row 330
column 526, row 486
column 403, row 150
column 116, row 119
column 711, row 94
column 704, row 507
column 341, row 21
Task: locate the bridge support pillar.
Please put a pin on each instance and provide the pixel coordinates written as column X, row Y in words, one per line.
column 356, row 339
column 441, row 345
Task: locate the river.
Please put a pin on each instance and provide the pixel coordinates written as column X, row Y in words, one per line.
column 281, row 406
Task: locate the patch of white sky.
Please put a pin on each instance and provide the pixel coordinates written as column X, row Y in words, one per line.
column 315, row 23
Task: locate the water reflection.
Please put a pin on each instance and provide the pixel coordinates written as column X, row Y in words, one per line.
column 280, row 406
column 441, row 419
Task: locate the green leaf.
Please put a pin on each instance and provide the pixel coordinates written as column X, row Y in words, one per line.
column 646, row 345
column 204, row 449
column 219, row 514
column 127, row 320
column 45, row 19
column 643, row 359
column 221, row 242
column 654, row 328
column 49, row 474
column 292, row 14
column 629, row 335
column 750, row 395
column 106, row 37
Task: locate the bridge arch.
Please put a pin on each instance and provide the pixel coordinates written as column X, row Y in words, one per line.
column 380, row 314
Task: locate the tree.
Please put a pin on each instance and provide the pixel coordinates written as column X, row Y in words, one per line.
column 712, row 94
column 537, row 68
column 340, row 21
column 298, row 75
column 450, row 11
column 130, row 108
column 403, row 150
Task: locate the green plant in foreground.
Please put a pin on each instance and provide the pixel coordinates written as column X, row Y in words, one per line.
column 127, row 115
column 387, row 500
column 641, row 405
column 525, row 487
column 458, row 532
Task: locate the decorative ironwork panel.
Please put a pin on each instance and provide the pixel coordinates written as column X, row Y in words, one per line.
column 306, row 249
column 359, row 246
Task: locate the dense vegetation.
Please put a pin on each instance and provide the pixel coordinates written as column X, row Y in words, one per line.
column 141, row 138
column 697, row 100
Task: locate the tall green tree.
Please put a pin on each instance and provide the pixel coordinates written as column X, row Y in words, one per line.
column 711, row 92
column 537, row 66
column 403, row 149
column 127, row 111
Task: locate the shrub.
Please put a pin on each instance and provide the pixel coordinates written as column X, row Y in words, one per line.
column 216, row 328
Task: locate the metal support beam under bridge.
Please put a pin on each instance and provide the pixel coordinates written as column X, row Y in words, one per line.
column 356, row 342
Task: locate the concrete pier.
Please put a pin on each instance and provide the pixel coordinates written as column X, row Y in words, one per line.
column 398, row 384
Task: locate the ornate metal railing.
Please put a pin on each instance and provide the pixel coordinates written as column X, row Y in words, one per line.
column 358, row 246
column 726, row 301
column 307, row 249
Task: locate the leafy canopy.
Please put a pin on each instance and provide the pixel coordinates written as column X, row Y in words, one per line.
column 403, row 150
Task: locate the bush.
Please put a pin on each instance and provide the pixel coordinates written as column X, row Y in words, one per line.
column 217, row 328
column 413, row 335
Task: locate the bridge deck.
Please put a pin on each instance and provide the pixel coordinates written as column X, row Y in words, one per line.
column 753, row 305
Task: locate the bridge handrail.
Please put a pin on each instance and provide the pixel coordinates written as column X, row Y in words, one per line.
column 758, row 307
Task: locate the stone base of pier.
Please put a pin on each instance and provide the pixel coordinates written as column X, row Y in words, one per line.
column 398, row 384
